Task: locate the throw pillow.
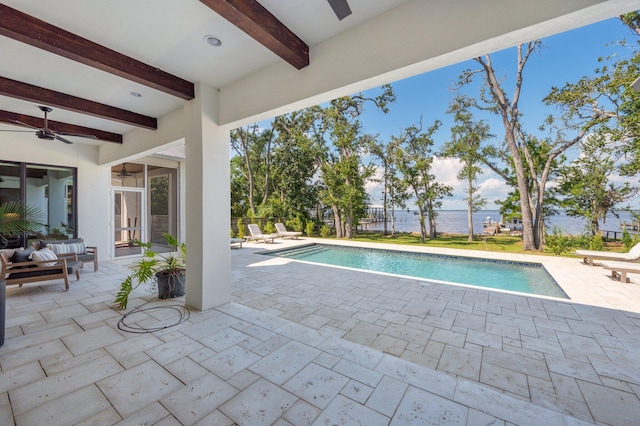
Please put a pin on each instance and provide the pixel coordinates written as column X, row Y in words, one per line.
column 22, row 255
column 45, row 254
column 64, row 248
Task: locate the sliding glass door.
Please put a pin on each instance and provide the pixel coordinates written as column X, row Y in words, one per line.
column 127, row 218
column 145, row 206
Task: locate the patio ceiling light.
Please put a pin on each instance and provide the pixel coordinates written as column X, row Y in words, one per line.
column 213, row 40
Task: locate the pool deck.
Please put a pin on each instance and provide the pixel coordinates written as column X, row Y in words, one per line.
column 309, row 344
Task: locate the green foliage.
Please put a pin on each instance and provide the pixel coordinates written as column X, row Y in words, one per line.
column 325, row 231
column 586, row 186
column 310, row 228
column 231, row 234
column 151, row 263
column 414, row 159
column 467, row 136
column 241, row 232
column 269, row 228
column 295, row 224
column 628, row 240
column 557, row 242
column 17, row 217
column 596, row 243
column 159, row 195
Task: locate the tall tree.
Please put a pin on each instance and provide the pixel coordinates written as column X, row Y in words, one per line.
column 294, row 165
column 467, row 136
column 339, row 132
column 253, row 145
column 587, row 187
column 493, row 97
column 394, row 190
column 415, row 163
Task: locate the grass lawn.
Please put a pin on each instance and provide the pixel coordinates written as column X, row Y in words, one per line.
column 500, row 243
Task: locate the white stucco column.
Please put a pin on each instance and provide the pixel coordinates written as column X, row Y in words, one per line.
column 207, row 207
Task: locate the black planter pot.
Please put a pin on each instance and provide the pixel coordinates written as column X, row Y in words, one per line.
column 170, row 286
column 3, row 299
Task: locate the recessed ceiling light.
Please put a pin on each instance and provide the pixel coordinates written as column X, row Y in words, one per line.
column 135, row 94
column 213, row 40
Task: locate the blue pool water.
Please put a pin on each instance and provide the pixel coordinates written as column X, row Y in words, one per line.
column 529, row 278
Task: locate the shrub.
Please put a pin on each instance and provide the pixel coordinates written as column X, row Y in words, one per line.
column 310, row 228
column 596, row 243
column 557, row 242
column 325, row 231
column 269, row 228
column 231, row 232
column 295, row 224
column 241, row 233
column 628, row 240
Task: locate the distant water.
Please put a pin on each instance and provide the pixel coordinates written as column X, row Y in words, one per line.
column 455, row 222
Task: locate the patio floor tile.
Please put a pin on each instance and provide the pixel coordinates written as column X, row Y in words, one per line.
column 344, row 411
column 137, row 387
column 260, row 404
column 316, row 385
column 544, row 361
column 198, row 398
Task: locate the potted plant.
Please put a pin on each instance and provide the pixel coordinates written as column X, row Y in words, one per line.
column 17, row 218
column 168, row 272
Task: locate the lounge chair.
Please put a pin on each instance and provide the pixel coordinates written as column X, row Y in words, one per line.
column 282, row 231
column 257, row 235
column 236, row 242
column 620, row 269
column 589, row 255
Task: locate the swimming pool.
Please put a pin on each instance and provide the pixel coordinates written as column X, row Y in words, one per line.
column 521, row 277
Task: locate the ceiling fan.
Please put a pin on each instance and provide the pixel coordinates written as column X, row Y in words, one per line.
column 340, row 8
column 45, row 132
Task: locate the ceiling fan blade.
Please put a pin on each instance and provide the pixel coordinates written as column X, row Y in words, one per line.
column 340, row 8
column 61, row 139
column 25, row 124
column 77, row 135
column 17, row 131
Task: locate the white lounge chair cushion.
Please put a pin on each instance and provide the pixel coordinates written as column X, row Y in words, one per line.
column 634, row 253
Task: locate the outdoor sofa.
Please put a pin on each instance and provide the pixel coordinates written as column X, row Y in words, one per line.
column 86, row 254
column 20, row 266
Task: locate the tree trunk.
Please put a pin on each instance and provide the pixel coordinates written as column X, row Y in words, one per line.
column 384, row 203
column 528, row 234
column 433, row 233
column 423, row 227
column 393, row 220
column 349, row 226
column 470, row 210
column 337, row 221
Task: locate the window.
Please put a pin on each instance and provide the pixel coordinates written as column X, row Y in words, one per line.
column 50, row 188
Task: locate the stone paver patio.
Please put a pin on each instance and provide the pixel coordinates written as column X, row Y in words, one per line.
column 307, row 344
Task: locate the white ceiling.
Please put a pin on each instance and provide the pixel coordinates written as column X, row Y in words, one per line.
column 167, row 34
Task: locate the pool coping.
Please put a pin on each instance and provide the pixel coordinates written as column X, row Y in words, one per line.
column 583, row 284
column 523, row 263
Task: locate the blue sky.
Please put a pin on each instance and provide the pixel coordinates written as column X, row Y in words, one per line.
column 564, row 58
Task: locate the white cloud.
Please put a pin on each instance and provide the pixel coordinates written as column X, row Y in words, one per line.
column 493, row 189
